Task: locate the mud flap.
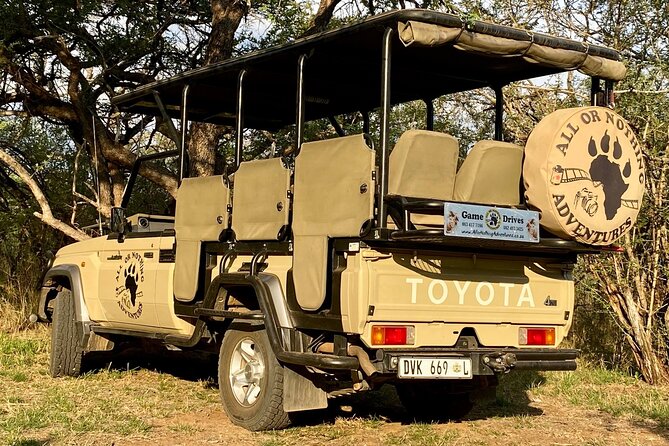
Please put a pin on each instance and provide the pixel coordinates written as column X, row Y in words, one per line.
column 299, row 393
column 97, row 343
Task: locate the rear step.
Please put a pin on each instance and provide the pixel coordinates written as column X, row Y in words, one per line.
column 211, row 312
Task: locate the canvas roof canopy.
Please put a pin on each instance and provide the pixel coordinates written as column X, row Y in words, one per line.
column 432, row 54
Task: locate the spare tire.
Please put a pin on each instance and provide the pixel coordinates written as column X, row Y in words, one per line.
column 584, row 172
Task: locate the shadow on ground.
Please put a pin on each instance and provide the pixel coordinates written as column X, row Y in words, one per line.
column 31, row 442
column 509, row 400
column 660, row 428
column 188, row 365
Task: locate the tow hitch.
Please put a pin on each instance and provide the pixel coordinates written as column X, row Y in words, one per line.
column 500, row 362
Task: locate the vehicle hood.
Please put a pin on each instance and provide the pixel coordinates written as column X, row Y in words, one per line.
column 82, row 247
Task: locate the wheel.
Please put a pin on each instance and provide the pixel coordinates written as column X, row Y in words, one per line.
column 66, row 338
column 250, row 379
column 432, row 402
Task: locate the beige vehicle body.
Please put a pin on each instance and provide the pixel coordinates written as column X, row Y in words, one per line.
column 441, row 295
column 346, row 256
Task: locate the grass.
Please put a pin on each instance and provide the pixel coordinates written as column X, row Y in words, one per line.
column 102, row 402
column 137, row 404
column 610, row 391
column 423, row 435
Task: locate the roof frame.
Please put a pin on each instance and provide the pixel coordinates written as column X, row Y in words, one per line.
column 339, row 61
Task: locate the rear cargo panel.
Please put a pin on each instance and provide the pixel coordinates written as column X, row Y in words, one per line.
column 469, row 290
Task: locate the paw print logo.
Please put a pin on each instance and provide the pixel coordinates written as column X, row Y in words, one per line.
column 608, row 171
column 131, row 278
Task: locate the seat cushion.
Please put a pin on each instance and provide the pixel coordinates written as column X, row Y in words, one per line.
column 423, row 165
column 490, row 174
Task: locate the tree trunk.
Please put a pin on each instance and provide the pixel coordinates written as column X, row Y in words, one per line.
column 202, row 149
column 626, row 302
column 323, row 16
column 204, row 138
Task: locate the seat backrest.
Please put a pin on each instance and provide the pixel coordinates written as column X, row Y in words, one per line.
column 260, row 199
column 490, row 174
column 423, row 165
column 333, row 197
column 201, row 215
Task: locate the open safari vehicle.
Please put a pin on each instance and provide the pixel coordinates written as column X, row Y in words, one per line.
column 348, row 263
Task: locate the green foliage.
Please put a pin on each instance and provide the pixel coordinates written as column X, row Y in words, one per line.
column 104, row 34
column 595, row 330
column 24, row 241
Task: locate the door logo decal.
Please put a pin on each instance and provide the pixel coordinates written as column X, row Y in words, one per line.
column 129, row 280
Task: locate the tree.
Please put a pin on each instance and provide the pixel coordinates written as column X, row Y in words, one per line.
column 635, row 282
column 63, row 62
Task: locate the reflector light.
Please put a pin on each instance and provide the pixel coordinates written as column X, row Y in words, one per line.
column 536, row 336
column 393, row 334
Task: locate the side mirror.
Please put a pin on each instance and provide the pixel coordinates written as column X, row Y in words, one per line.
column 118, row 221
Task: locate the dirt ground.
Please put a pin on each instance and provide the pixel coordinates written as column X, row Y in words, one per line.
column 377, row 418
column 173, row 400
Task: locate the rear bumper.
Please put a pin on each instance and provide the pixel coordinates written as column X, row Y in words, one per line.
column 489, row 361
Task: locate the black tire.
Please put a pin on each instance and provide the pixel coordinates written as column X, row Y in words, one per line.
column 66, row 338
column 265, row 412
column 433, row 402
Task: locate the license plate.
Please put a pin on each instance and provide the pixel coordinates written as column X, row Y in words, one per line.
column 439, row 368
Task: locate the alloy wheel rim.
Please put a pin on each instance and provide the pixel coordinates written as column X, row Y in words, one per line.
column 246, row 373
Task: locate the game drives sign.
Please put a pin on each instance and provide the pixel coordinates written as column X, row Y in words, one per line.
column 466, row 220
column 584, row 171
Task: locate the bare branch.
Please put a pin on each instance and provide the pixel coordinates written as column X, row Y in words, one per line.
column 46, row 215
column 320, row 21
column 6, row 113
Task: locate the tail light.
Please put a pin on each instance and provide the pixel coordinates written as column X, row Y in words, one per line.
column 393, row 334
column 536, row 336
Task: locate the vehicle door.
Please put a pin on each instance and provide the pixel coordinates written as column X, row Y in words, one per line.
column 128, row 280
column 164, row 297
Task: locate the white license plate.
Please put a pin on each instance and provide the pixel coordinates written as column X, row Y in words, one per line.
column 440, row 368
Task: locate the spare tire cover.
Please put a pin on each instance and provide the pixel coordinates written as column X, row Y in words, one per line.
column 584, row 171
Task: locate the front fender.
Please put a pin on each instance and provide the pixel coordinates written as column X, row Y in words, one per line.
column 73, row 276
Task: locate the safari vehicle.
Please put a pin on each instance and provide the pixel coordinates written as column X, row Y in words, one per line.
column 345, row 265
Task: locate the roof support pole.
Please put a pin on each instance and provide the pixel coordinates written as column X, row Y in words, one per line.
column 299, row 119
column 183, row 153
column 365, row 122
column 127, row 192
column 170, row 125
column 499, row 113
column 384, row 133
column 429, row 114
column 595, row 88
column 239, row 147
column 609, row 98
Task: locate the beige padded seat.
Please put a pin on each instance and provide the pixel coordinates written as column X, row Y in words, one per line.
column 201, row 215
column 260, row 199
column 490, row 174
column 423, row 165
column 333, row 197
